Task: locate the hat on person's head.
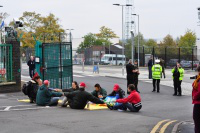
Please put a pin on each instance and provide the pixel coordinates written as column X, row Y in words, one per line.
column 46, row 82
column 116, row 87
column 157, row 61
column 82, row 85
column 36, row 75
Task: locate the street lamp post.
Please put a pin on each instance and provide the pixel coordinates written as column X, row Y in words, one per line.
column 122, row 33
column 138, row 39
column 70, row 34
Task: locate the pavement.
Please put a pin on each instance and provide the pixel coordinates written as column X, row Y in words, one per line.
column 161, row 112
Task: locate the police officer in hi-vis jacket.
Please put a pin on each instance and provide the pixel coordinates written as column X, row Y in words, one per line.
column 156, row 75
column 178, row 73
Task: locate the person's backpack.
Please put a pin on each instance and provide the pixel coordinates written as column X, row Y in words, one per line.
column 25, row 88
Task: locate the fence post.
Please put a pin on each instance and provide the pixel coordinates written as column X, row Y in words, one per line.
column 153, row 52
column 143, row 57
column 116, row 59
column 179, row 54
column 165, row 56
column 135, row 54
column 192, row 58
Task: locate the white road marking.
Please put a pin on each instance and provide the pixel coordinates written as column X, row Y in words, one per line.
column 79, row 76
column 7, row 108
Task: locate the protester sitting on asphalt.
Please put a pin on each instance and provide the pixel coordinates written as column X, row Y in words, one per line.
column 99, row 92
column 33, row 86
column 117, row 91
column 132, row 102
column 47, row 96
column 80, row 98
column 74, row 87
column 178, row 74
column 196, row 101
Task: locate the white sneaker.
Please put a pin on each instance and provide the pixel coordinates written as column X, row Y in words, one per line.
column 120, row 110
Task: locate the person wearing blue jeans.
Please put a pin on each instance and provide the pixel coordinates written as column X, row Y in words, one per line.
column 132, row 102
column 53, row 101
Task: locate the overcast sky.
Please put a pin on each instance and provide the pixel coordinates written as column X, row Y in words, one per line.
column 157, row 17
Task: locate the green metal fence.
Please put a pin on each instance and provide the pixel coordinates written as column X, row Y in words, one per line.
column 6, row 72
column 57, row 64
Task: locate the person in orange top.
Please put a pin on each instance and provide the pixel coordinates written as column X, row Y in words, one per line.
column 196, row 102
column 132, row 102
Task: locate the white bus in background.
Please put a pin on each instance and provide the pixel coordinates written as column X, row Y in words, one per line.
column 113, row 59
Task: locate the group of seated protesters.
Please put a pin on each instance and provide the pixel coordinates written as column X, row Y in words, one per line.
column 77, row 97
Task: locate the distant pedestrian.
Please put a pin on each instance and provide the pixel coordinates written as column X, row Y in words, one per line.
column 150, row 64
column 135, row 75
column 31, row 64
column 196, row 102
column 178, row 73
column 156, row 71
column 162, row 63
column 130, row 75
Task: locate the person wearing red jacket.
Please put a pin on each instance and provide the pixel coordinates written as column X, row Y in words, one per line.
column 196, row 102
column 132, row 102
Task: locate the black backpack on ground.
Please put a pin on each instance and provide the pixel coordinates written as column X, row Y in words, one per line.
column 25, row 88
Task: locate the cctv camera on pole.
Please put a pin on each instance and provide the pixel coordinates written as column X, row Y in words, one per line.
column 198, row 12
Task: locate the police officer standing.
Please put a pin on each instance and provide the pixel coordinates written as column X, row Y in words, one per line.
column 156, row 72
column 178, row 73
column 129, row 71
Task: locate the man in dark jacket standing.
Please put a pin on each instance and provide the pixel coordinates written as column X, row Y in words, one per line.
column 150, row 64
column 99, row 92
column 31, row 64
column 81, row 97
column 129, row 71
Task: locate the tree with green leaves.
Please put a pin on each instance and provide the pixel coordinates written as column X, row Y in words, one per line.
column 41, row 27
column 187, row 42
column 151, row 43
column 169, row 43
column 106, row 34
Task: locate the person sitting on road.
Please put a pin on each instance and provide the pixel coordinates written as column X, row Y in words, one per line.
column 132, row 102
column 117, row 91
column 74, row 87
column 80, row 98
column 46, row 96
column 33, row 86
column 99, row 92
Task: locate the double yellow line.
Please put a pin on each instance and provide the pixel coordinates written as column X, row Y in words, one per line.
column 162, row 130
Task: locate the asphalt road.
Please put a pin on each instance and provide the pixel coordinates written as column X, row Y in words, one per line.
column 156, row 108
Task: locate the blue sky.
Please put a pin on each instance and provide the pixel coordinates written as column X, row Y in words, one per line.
column 157, row 17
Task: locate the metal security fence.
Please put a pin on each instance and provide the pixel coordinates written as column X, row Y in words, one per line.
column 57, row 64
column 188, row 57
column 6, row 71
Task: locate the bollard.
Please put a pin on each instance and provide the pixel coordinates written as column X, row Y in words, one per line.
column 83, row 65
column 98, row 67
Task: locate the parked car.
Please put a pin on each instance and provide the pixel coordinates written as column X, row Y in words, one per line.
column 185, row 63
column 172, row 62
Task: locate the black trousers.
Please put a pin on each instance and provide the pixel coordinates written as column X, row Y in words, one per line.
column 177, row 86
column 156, row 81
column 129, row 81
column 31, row 72
column 196, row 117
column 135, row 82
